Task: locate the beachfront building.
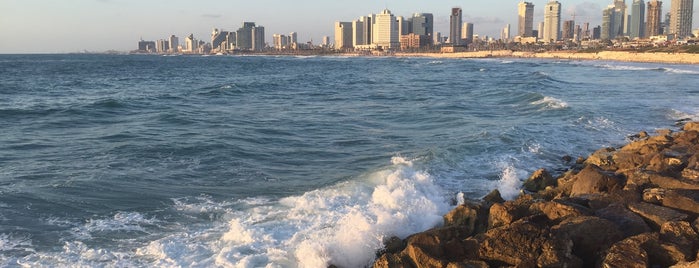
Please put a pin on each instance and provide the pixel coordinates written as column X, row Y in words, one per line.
column 191, row 44
column 423, row 25
column 653, row 18
column 540, row 30
column 343, row 35
column 638, row 14
column 552, row 21
column 455, row 23
column 174, row 43
column 505, row 34
column 467, row 33
column 568, row 31
column 681, row 18
column 526, row 19
column 613, row 18
column 386, row 31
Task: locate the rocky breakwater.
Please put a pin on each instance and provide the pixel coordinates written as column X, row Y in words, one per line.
column 634, row 206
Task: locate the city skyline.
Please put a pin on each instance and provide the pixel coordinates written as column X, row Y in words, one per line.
column 41, row 26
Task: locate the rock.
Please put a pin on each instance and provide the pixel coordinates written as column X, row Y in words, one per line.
column 494, row 197
column 628, row 222
column 518, row 244
column 669, row 166
column 671, row 183
column 557, row 210
column 691, row 126
column 602, row 158
column 681, row 234
column 657, row 215
column 505, row 213
column 626, row 253
column 626, row 161
column 591, row 236
column 664, row 132
column 391, row 261
column 684, row 200
column 425, row 250
column 558, row 253
column 539, row 180
column 393, row 245
column 468, row 264
column 592, row 180
column 693, row 264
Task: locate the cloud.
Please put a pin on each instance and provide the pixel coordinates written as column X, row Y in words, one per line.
column 211, row 16
column 484, row 20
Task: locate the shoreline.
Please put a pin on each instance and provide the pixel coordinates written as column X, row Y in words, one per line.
column 620, row 56
column 636, row 205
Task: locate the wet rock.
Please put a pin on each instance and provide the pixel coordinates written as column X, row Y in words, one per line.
column 657, row 215
column 593, row 180
column 628, row 222
column 493, row 197
column 391, row 261
column 591, row 236
column 693, row 264
column 539, row 180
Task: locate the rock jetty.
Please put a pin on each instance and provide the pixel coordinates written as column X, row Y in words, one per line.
column 633, row 206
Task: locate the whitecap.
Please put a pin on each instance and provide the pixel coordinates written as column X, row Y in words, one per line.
column 551, row 103
column 509, row 184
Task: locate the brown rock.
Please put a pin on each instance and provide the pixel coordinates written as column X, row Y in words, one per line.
column 659, row 254
column 691, row 126
column 684, row 200
column 693, row 264
column 464, row 215
column 518, row 244
column 681, row 234
column 391, row 261
column 626, row 253
column 664, row 132
column 425, row 250
column 672, row 183
column 557, row 210
column 494, row 197
column 630, row 160
column 590, row 235
column 628, row 222
column 508, row 212
column 663, row 164
column 558, row 253
column 468, row 264
column 602, row 158
column 592, row 180
column 539, row 180
column 657, row 215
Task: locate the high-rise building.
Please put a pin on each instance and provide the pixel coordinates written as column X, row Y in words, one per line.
column 597, row 32
column 552, row 21
column 608, row 15
column 653, row 18
column 174, row 43
column 613, row 18
column 191, row 44
column 404, row 25
column 343, row 35
column 467, row 32
column 622, row 19
column 280, row 41
column 162, row 46
column 681, row 18
column 218, row 40
column 568, row 31
column 146, row 46
column 637, row 27
column 526, row 19
column 540, row 30
column 244, row 36
column 455, row 21
column 293, row 38
column 386, row 31
column 258, row 38
column 326, row 41
column 505, row 34
column 423, row 24
column 358, row 32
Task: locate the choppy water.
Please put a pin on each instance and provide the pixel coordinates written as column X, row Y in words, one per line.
column 288, row 161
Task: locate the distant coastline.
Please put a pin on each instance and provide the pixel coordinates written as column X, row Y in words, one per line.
column 623, row 56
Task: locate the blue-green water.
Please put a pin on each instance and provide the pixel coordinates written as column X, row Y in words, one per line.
column 288, row 161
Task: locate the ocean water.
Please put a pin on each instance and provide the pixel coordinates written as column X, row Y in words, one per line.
column 223, row 161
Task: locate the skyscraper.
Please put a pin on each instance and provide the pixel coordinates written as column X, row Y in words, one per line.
column 568, row 31
column 423, row 24
column 526, row 19
column 467, row 32
column 386, row 31
column 638, row 14
column 540, row 30
column 343, row 35
column 552, row 21
column 174, row 43
column 613, row 18
column 681, row 18
column 653, row 18
column 243, row 37
column 608, row 23
column 505, row 34
column 258, row 38
column 358, row 32
column 455, row 21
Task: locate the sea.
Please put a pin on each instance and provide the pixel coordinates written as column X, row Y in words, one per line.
column 284, row 161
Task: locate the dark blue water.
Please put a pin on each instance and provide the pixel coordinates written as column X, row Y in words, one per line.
column 288, row 161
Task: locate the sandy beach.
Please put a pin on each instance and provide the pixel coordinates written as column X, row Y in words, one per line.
column 678, row 58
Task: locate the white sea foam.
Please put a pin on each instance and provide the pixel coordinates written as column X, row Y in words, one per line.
column 509, row 184
column 685, row 114
column 551, row 103
column 680, row 71
column 627, row 67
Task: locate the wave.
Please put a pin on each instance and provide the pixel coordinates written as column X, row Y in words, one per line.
column 628, row 67
column 550, row 103
column 679, row 71
column 678, row 115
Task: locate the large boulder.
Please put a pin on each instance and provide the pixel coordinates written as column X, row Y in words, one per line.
column 558, row 209
column 681, row 234
column 602, row 158
column 591, row 236
column 518, row 244
column 657, row 215
column 628, row 222
column 593, row 180
column 473, row 218
column 501, row 214
column 538, row 181
column 684, row 200
column 626, row 253
column 691, row 126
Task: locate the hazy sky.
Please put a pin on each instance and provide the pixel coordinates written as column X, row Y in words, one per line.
column 46, row 26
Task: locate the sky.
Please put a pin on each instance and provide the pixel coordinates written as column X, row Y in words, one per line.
column 64, row 26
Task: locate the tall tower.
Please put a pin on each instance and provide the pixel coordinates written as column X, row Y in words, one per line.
column 455, row 21
column 526, row 19
column 343, row 35
column 467, row 32
column 568, row 31
column 386, row 30
column 423, row 24
column 653, row 18
column 681, row 18
column 552, row 21
column 638, row 13
column 505, row 34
